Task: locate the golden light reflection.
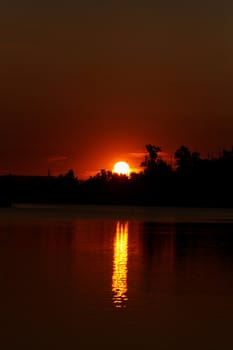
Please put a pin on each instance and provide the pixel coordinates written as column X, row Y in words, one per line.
column 120, row 268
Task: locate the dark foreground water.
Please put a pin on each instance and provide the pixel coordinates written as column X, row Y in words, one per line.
column 75, row 282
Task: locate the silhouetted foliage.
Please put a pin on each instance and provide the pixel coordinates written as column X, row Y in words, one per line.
column 151, row 158
column 194, row 181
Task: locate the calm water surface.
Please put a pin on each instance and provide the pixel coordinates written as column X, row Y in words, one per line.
column 69, row 282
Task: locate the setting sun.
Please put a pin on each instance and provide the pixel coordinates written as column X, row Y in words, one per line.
column 121, row 168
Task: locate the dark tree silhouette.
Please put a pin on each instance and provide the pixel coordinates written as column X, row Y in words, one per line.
column 70, row 174
column 183, row 157
column 151, row 158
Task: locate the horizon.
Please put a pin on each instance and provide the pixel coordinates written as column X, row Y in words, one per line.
column 165, row 156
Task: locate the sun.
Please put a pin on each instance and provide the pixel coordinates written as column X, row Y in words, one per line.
column 121, row 168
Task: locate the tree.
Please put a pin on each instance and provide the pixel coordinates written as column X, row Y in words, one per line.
column 70, row 174
column 183, row 157
column 151, row 158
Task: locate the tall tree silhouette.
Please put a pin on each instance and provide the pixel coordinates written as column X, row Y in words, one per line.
column 151, row 159
column 183, row 157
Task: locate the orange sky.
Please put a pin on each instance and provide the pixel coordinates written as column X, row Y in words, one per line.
column 85, row 85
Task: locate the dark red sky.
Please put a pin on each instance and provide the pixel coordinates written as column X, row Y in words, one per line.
column 84, row 84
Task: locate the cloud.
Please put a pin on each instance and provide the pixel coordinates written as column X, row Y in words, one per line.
column 142, row 154
column 137, row 154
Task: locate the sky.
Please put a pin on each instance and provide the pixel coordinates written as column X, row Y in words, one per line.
column 87, row 83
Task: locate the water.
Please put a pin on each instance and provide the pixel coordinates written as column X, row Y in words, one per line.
column 86, row 277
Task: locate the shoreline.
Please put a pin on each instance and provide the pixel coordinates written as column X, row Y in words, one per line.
column 161, row 215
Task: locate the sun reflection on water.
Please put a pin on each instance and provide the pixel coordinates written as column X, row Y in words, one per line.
column 120, row 269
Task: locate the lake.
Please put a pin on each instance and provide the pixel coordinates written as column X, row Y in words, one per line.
column 116, row 277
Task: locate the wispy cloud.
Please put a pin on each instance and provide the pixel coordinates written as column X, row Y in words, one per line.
column 142, row 154
column 136, row 154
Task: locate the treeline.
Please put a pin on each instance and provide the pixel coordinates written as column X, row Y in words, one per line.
column 191, row 181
